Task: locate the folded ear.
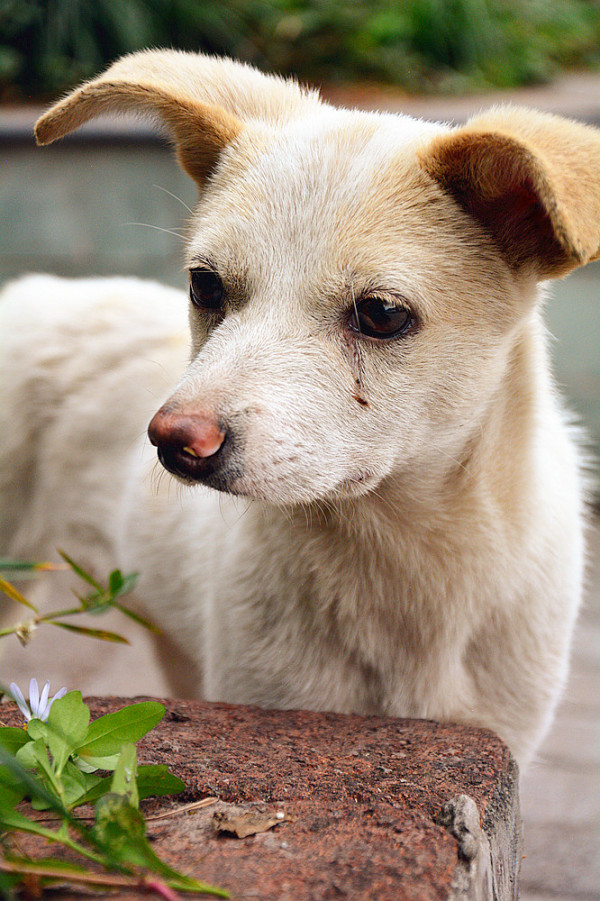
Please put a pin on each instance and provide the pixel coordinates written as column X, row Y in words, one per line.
column 203, row 101
column 531, row 179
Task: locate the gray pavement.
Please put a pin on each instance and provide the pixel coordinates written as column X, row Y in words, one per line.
column 560, row 792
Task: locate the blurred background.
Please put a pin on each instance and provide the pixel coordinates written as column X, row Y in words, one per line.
column 110, row 200
column 422, row 45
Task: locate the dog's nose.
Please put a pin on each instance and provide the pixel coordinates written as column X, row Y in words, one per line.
column 188, row 443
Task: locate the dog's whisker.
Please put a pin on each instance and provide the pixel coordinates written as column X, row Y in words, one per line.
column 174, row 196
column 168, row 231
column 156, row 474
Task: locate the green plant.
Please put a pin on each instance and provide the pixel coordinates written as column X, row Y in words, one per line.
column 100, row 600
column 59, row 763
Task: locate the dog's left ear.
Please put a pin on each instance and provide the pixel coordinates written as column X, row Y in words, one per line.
column 531, row 179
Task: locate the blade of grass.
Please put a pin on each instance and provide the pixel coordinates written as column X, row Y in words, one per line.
column 29, row 566
column 101, row 634
column 15, row 595
column 81, row 572
column 146, row 623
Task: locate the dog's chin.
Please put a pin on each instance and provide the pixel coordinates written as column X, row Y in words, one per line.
column 277, row 492
column 357, row 485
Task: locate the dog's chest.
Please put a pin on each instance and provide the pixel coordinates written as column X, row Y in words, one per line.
column 325, row 622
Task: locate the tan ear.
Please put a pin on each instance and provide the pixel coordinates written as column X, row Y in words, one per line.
column 531, row 179
column 203, row 101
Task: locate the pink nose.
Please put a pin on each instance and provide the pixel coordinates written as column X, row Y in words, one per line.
column 186, row 441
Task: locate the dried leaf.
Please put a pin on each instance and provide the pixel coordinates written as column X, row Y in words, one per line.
column 102, row 634
column 15, row 594
column 247, row 823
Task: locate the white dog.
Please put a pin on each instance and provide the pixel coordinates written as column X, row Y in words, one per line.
column 368, row 373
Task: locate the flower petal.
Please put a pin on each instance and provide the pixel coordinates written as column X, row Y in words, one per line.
column 34, row 697
column 44, row 696
column 20, row 700
column 59, row 694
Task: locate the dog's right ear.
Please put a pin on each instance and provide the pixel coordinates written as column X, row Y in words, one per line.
column 204, row 102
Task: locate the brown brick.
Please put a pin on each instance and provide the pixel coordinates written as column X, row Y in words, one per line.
column 373, row 808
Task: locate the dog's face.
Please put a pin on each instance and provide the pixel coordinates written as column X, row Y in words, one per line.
column 348, row 321
column 357, row 282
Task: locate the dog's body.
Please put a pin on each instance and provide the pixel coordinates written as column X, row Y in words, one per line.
column 368, row 374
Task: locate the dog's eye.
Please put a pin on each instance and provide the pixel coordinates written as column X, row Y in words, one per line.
column 206, row 289
column 380, row 317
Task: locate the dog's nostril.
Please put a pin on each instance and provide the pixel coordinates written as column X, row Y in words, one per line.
column 185, row 439
column 200, row 438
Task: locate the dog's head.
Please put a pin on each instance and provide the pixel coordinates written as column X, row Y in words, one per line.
column 358, row 282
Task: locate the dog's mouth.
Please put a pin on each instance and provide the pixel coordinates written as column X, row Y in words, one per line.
column 199, row 450
column 186, row 465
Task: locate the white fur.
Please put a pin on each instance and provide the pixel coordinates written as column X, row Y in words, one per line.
column 419, row 554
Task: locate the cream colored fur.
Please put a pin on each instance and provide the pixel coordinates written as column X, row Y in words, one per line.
column 403, row 533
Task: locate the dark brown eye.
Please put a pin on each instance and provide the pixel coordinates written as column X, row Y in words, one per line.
column 206, row 289
column 380, row 317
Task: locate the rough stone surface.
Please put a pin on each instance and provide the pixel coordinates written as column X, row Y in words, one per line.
column 366, row 807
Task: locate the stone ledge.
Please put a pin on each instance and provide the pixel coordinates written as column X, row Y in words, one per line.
column 409, row 810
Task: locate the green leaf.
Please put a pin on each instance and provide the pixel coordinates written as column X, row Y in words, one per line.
column 140, row 620
column 77, row 784
column 83, row 765
column 129, row 583
column 11, row 788
column 102, row 634
column 115, row 581
column 155, row 780
column 80, row 571
column 14, row 819
column 120, row 829
column 42, row 865
column 97, row 602
column 26, row 566
column 94, row 793
column 124, row 780
column 109, row 733
column 33, row 786
column 12, row 738
column 68, row 723
column 8, row 882
column 34, row 756
column 97, row 763
column 37, row 729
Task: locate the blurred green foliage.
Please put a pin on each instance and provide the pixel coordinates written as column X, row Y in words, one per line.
column 422, row 45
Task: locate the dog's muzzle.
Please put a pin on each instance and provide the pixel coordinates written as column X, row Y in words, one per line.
column 190, row 445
